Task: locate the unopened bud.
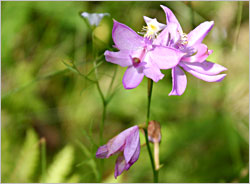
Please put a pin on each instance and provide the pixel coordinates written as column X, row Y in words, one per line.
column 154, row 131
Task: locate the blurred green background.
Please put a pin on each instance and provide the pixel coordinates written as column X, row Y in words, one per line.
column 205, row 132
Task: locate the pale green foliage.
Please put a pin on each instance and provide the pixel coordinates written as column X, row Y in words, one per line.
column 61, row 165
column 90, row 161
column 73, row 179
column 27, row 161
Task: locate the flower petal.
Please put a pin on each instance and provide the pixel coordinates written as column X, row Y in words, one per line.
column 102, row 152
column 136, row 154
column 119, row 165
column 94, row 19
column 125, row 38
column 132, row 77
column 208, row 78
column 121, row 58
column 150, row 20
column 201, row 55
column 165, row 57
column 198, row 34
column 171, row 17
column 118, row 142
column 206, row 67
column 179, row 81
column 131, row 144
column 152, row 70
column 168, row 36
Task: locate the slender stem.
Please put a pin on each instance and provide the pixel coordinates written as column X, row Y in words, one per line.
column 101, row 135
column 104, row 102
column 237, row 30
column 43, row 158
column 155, row 172
column 150, row 88
column 102, row 123
column 112, row 82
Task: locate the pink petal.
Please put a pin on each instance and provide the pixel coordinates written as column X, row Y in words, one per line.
column 125, row 38
column 168, row 36
column 179, row 81
column 148, row 20
column 151, row 70
column 198, row 34
column 136, row 154
column 201, row 54
column 208, row 78
column 171, row 17
column 206, row 67
column 121, row 58
column 132, row 77
column 119, row 165
column 165, row 57
column 131, row 144
column 102, row 152
column 117, row 143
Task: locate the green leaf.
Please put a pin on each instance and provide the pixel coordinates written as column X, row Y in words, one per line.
column 61, row 165
column 28, row 159
column 74, row 179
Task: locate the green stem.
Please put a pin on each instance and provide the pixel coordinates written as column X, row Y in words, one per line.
column 104, row 102
column 155, row 172
column 101, row 135
column 237, row 30
column 112, row 82
column 102, row 123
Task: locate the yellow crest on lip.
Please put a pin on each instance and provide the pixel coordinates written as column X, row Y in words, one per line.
column 152, row 28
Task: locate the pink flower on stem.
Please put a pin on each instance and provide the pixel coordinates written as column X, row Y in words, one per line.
column 195, row 53
column 139, row 55
column 127, row 145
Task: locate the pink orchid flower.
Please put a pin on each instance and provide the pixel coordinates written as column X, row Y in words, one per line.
column 139, row 55
column 127, row 145
column 195, row 53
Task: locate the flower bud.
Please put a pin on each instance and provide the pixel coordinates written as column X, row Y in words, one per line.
column 154, row 131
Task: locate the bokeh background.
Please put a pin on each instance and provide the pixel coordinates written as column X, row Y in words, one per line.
column 205, row 132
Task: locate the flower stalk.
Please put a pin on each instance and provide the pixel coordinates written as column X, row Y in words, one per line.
column 156, row 155
column 155, row 172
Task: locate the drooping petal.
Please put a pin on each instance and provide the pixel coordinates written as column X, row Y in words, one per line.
column 208, row 78
column 165, row 57
column 119, row 165
column 131, row 144
column 153, row 73
column 118, row 142
column 179, row 81
column 132, row 77
column 151, row 70
column 200, row 55
column 102, row 152
column 121, row 58
column 171, row 17
column 206, row 67
column 125, row 38
column 199, row 33
column 136, row 154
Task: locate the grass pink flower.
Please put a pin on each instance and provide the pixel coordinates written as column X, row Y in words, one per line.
column 139, row 55
column 196, row 53
column 127, row 145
